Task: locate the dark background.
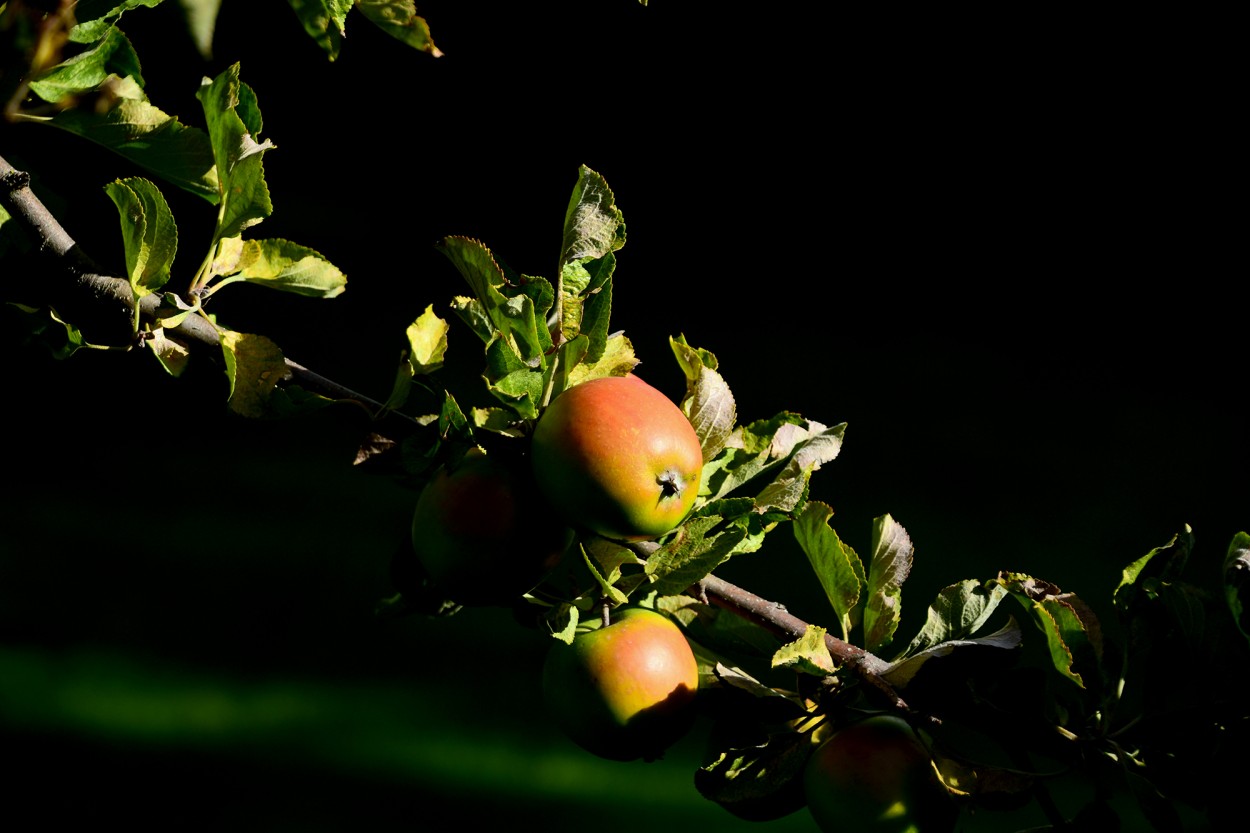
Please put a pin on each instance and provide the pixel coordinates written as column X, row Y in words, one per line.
column 993, row 245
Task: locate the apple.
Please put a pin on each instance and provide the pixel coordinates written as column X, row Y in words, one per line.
column 482, row 533
column 617, row 457
column 874, row 775
column 625, row 690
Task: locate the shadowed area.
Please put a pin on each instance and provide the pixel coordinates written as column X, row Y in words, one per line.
column 997, row 267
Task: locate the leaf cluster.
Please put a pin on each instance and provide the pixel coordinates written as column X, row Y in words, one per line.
column 1008, row 710
column 543, row 335
column 1005, row 709
column 97, row 92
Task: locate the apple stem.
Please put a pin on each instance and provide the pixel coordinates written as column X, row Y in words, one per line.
column 605, row 612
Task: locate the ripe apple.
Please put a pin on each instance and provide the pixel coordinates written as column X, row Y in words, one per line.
column 624, row 691
column 617, row 457
column 482, row 533
column 874, row 775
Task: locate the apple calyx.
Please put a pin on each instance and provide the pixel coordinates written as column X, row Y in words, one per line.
column 670, row 483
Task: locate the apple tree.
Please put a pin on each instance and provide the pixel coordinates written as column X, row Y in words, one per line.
column 561, row 476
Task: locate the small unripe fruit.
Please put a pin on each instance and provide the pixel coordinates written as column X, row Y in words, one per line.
column 624, row 691
column 618, row 457
column 482, row 532
column 874, row 775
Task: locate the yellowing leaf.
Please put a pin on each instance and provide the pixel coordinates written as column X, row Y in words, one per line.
column 254, row 365
column 808, row 653
column 427, row 342
column 399, row 19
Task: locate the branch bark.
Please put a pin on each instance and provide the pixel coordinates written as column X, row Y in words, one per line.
column 775, row 618
column 109, row 297
column 103, row 304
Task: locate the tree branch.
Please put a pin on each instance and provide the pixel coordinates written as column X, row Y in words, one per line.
column 83, row 292
column 111, row 296
column 775, row 618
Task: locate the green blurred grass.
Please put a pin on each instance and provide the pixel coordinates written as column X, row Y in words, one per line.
column 193, row 626
column 397, row 737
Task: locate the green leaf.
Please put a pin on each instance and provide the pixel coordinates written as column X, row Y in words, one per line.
column 254, row 365
column 741, row 513
column 1073, row 635
column 593, row 225
column 478, row 267
column 399, row 19
column 87, row 71
column 134, row 129
column 593, row 228
column 597, row 304
column 236, row 152
column 149, row 235
column 542, row 294
column 808, row 654
column 325, row 22
column 900, row 672
column 807, row 448
column 511, row 381
column 697, row 548
column 452, row 423
column 95, row 17
column 1062, row 627
column 497, row 420
column 1237, row 580
column 757, row 780
column 1164, row 563
column 890, row 565
column 567, row 369
column 471, row 312
column 63, row 340
column 617, row 359
column 787, row 446
column 286, row 266
column 401, row 387
column 509, row 310
column 292, row 400
column 562, row 621
column 730, row 508
column 746, row 455
column 708, row 403
column 605, row 586
column 610, row 557
column 587, row 301
column 958, row 612
column 839, row 569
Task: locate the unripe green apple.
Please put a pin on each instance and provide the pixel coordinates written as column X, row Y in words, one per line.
column 617, row 457
column 874, row 775
column 624, row 691
column 483, row 534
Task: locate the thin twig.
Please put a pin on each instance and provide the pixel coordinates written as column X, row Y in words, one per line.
column 99, row 296
column 775, row 618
